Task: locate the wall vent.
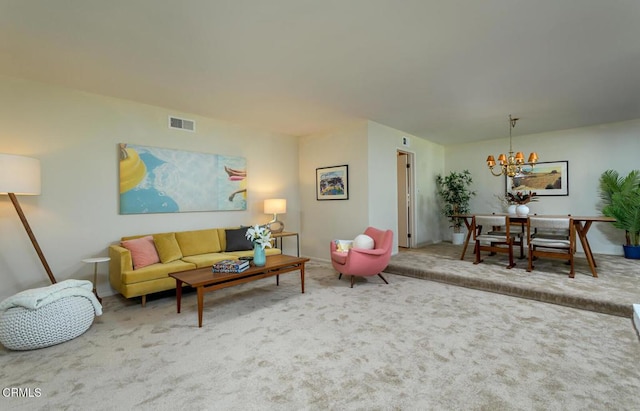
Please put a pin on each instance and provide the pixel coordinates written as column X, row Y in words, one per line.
column 182, row 124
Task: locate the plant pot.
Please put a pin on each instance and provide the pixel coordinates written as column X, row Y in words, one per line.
column 511, row 210
column 632, row 251
column 458, row 238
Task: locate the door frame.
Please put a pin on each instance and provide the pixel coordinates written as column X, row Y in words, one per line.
column 411, row 223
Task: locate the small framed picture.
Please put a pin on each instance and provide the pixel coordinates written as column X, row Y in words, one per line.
column 545, row 179
column 332, row 183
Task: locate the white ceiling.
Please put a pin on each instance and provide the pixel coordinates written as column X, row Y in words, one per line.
column 450, row 71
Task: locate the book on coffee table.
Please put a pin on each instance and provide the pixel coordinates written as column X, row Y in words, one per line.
column 230, row 266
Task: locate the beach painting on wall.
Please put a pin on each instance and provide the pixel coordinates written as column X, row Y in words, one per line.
column 549, row 178
column 162, row 180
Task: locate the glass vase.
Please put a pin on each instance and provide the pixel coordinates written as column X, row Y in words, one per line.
column 522, row 210
column 259, row 257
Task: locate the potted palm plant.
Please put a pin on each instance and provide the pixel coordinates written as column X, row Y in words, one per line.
column 621, row 199
column 454, row 193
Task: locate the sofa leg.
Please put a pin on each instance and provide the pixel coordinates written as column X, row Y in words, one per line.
column 144, row 300
column 340, row 276
column 352, row 277
column 383, row 279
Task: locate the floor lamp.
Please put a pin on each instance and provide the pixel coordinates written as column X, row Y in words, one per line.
column 21, row 176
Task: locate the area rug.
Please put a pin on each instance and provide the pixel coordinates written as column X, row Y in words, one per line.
column 614, row 291
column 409, row 345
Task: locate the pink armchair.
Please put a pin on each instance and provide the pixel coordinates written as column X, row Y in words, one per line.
column 363, row 262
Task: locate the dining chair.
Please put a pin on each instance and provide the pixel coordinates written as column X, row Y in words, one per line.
column 496, row 237
column 518, row 236
column 551, row 237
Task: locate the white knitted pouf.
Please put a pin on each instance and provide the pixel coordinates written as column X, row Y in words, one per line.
column 54, row 323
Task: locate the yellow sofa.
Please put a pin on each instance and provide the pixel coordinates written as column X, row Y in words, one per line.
column 178, row 251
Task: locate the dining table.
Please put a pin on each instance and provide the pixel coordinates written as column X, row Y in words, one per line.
column 581, row 224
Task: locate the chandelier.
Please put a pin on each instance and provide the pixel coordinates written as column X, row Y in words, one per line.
column 511, row 165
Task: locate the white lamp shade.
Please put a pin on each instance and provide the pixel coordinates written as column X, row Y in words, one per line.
column 275, row 206
column 19, row 175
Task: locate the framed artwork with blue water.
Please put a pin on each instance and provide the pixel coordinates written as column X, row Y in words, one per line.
column 162, row 180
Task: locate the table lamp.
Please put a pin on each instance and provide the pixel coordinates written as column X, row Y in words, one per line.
column 275, row 206
column 21, row 176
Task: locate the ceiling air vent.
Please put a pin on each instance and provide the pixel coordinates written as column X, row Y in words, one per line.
column 182, row 124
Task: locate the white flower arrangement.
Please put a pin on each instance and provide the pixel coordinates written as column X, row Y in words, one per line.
column 259, row 234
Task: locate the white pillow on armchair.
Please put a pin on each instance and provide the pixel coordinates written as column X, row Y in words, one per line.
column 363, row 241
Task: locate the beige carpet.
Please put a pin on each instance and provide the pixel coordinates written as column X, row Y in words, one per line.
column 409, row 345
column 614, row 292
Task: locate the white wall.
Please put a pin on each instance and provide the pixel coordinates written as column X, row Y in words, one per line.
column 322, row 221
column 384, row 143
column 370, row 150
column 75, row 136
column 590, row 151
column 429, row 158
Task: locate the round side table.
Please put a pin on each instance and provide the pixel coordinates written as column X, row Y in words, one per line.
column 95, row 262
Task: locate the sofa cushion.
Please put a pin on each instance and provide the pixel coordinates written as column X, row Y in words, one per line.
column 198, row 242
column 249, row 253
column 205, row 260
column 155, row 272
column 143, row 251
column 168, row 248
column 236, row 239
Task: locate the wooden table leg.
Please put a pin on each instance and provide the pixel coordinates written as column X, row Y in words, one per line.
column 302, row 277
column 178, row 294
column 95, row 281
column 200, row 304
column 585, row 230
column 582, row 234
column 522, row 238
column 466, row 240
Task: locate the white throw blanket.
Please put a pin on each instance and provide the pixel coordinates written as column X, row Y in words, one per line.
column 39, row 297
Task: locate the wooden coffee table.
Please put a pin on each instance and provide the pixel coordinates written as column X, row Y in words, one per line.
column 204, row 280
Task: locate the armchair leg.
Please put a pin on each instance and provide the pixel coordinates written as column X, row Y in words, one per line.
column 383, row 279
column 352, row 281
column 340, row 276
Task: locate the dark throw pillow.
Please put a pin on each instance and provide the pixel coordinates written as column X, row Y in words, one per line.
column 237, row 239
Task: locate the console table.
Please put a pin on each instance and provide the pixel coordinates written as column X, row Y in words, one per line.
column 279, row 236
